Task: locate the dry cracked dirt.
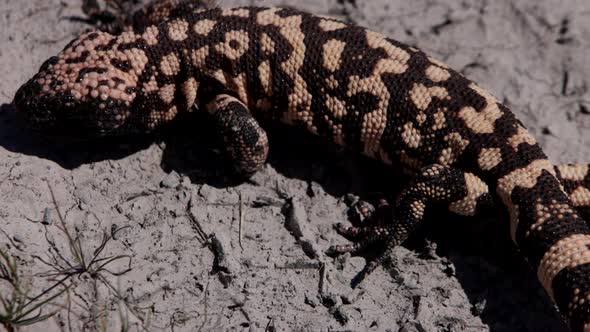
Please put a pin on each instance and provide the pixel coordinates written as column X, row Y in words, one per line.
column 190, row 248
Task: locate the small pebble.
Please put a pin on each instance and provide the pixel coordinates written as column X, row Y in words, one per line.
column 47, row 218
column 171, row 180
column 312, row 301
column 296, row 218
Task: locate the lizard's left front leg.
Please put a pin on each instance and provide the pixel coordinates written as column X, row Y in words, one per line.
column 246, row 142
column 463, row 193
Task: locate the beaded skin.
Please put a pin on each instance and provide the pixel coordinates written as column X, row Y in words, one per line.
column 358, row 88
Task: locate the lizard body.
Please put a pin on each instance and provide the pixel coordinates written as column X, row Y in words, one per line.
column 356, row 87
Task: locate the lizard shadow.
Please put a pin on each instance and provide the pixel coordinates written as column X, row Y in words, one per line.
column 67, row 152
column 194, row 148
column 503, row 290
column 500, row 285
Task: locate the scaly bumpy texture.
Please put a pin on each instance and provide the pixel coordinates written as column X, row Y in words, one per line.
column 354, row 86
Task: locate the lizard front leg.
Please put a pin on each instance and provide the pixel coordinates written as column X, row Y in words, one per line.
column 246, row 142
column 463, row 193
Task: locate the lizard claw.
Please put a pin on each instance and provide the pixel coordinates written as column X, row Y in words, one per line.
column 357, row 247
column 370, row 267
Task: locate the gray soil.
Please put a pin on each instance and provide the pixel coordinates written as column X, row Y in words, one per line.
column 208, row 252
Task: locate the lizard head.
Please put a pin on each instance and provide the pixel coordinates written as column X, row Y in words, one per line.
column 87, row 90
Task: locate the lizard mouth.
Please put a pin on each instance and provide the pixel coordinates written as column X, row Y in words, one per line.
column 32, row 112
column 63, row 115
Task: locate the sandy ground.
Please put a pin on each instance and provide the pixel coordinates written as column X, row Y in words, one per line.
column 163, row 191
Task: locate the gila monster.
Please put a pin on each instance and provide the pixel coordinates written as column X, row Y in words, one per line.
column 359, row 88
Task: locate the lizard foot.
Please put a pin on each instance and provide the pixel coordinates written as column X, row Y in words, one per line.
column 462, row 193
